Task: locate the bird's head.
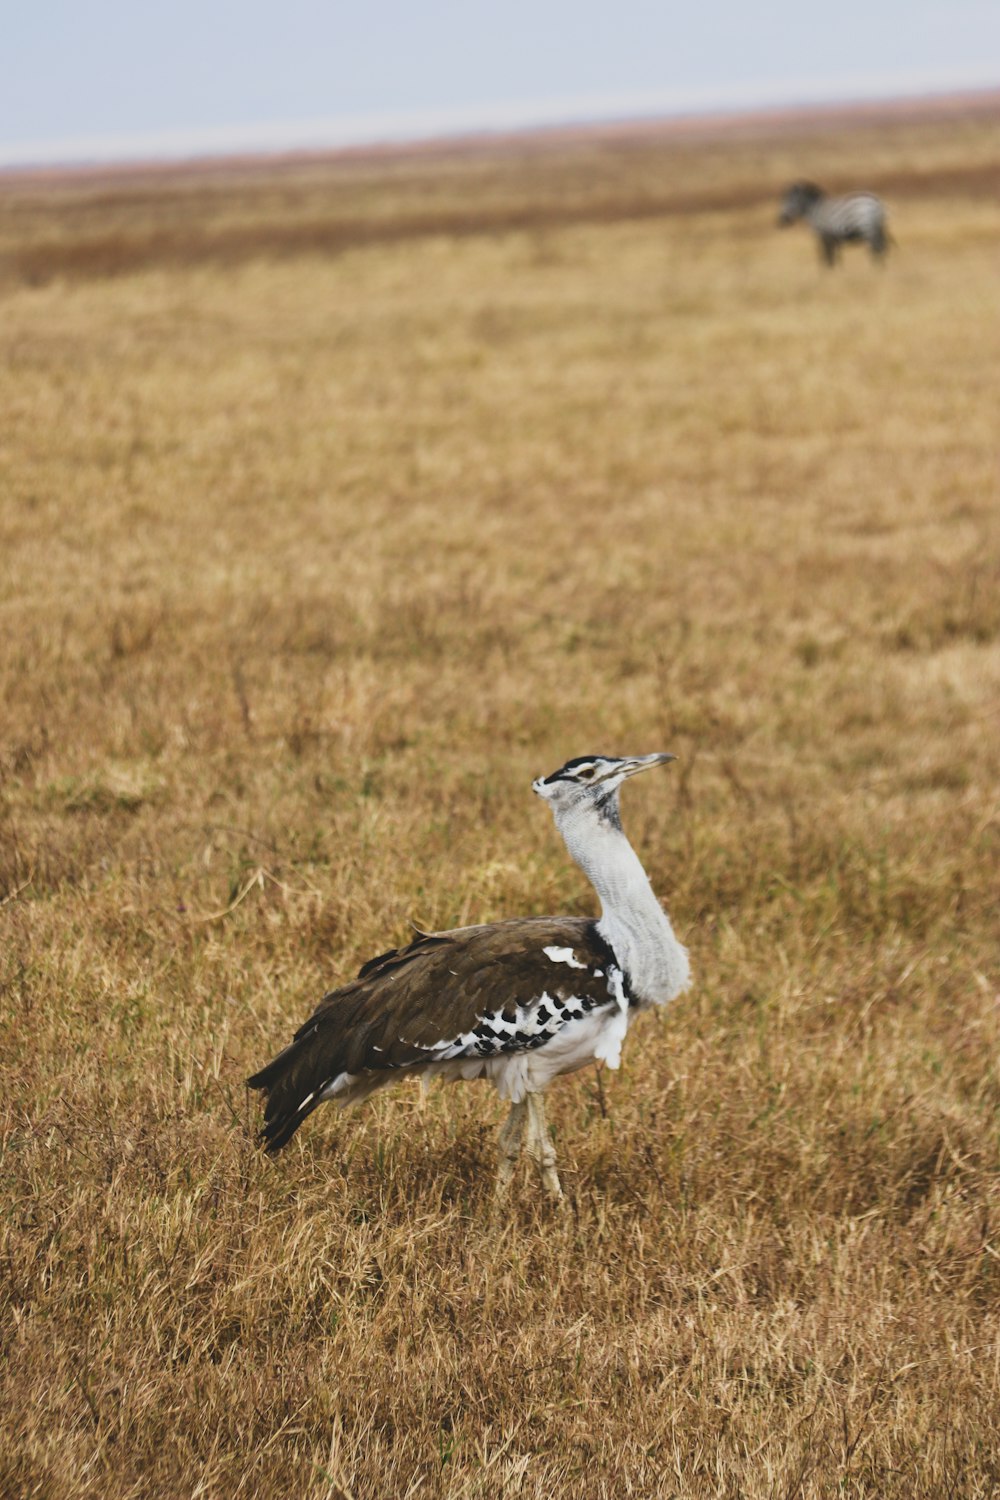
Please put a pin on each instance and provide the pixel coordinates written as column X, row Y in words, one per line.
column 589, row 783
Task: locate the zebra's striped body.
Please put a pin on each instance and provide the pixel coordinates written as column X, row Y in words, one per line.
column 837, row 221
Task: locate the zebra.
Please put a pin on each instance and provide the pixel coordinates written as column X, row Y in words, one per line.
column 835, row 221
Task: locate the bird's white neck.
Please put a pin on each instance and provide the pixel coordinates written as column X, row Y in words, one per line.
column 632, row 920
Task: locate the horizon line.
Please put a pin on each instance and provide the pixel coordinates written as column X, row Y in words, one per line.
column 399, row 128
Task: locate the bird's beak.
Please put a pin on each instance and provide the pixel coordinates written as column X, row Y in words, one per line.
column 639, row 763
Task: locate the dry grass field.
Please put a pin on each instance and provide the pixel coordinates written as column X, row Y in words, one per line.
column 338, row 500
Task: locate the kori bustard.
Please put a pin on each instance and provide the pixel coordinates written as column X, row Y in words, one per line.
column 518, row 1002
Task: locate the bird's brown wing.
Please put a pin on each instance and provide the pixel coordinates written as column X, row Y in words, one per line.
column 471, row 992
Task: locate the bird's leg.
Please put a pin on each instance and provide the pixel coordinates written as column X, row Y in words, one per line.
column 540, row 1147
column 509, row 1144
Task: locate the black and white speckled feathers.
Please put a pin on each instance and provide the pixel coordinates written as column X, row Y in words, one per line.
column 447, row 997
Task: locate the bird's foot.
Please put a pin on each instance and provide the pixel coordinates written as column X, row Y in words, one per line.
column 540, row 1148
column 509, row 1146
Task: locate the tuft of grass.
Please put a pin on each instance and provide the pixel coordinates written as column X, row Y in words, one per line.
column 340, row 499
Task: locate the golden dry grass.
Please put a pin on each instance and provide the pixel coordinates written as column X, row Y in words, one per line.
column 310, row 560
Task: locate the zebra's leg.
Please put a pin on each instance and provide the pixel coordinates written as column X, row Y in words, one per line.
column 878, row 243
column 829, row 248
column 540, row 1147
column 509, row 1144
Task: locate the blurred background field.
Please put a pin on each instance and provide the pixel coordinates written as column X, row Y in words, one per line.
column 338, row 499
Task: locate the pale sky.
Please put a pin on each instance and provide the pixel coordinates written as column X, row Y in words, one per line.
column 120, row 79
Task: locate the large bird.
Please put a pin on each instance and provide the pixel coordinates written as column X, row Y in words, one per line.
column 518, row 1002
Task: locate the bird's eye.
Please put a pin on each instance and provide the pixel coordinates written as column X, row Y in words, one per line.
column 585, row 773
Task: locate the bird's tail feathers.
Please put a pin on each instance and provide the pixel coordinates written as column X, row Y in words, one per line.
column 291, row 1097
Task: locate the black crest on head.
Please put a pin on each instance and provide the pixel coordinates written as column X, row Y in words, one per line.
column 565, row 773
